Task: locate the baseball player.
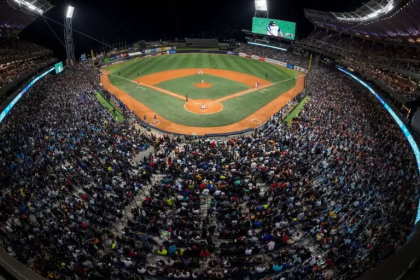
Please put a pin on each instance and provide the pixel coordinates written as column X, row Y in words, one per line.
column 274, row 30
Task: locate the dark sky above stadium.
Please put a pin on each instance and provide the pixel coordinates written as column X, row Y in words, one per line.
column 113, row 21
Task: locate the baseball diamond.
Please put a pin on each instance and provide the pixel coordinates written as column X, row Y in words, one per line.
column 225, row 93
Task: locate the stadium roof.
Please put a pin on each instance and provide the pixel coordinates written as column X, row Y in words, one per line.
column 389, row 20
column 15, row 15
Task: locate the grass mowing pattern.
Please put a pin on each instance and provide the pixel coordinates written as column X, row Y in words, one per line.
column 110, row 108
column 173, row 109
column 117, row 66
column 297, row 110
column 157, row 64
column 186, row 86
column 234, row 110
column 196, row 49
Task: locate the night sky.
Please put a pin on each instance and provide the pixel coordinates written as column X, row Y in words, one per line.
column 113, row 21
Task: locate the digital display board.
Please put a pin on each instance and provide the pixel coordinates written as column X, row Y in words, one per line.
column 274, row 28
column 59, row 67
column 19, row 96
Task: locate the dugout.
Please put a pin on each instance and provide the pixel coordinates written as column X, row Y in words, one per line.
column 202, row 43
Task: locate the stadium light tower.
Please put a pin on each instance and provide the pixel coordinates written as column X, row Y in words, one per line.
column 68, row 36
column 261, row 9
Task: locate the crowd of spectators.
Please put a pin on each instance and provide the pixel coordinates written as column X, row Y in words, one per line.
column 223, row 34
column 10, row 72
column 398, row 83
column 304, row 201
column 14, row 49
column 401, row 57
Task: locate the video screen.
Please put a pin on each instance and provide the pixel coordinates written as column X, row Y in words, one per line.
column 274, row 27
column 59, row 67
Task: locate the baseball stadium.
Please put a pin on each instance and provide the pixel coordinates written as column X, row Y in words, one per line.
column 237, row 140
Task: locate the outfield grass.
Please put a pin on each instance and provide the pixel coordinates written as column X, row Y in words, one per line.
column 297, row 110
column 196, row 49
column 110, row 108
column 186, row 86
column 161, row 63
column 234, row 110
column 117, row 66
column 172, row 109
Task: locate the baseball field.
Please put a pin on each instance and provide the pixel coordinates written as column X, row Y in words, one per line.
column 171, row 95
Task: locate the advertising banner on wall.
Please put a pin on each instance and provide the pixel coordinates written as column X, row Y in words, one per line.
column 171, row 52
column 158, row 50
column 301, row 69
column 261, row 58
column 291, row 66
column 242, row 54
column 147, row 51
column 124, row 55
column 134, row 54
column 255, row 57
column 269, row 60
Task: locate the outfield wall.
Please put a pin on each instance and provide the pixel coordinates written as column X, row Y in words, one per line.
column 173, row 50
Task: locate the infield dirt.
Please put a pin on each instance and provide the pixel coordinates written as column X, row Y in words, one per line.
column 252, row 121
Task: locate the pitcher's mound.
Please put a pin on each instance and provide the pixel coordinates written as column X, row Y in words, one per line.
column 203, row 106
column 203, row 85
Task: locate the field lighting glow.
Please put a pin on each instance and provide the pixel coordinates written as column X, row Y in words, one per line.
column 261, row 5
column 70, row 11
column 29, row 6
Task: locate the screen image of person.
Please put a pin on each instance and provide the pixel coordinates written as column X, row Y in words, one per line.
column 274, row 30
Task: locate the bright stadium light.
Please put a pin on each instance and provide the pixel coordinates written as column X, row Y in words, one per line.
column 375, row 13
column 29, row 6
column 261, row 5
column 70, row 11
